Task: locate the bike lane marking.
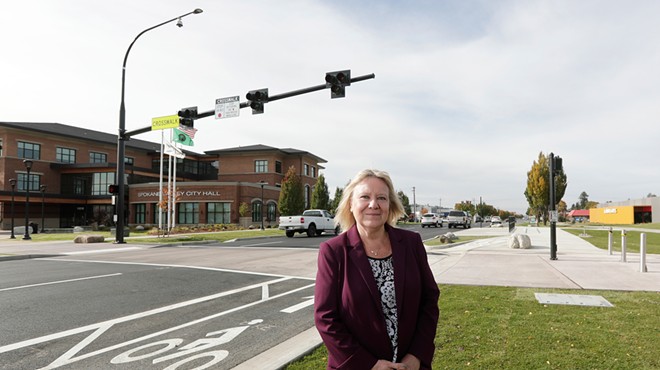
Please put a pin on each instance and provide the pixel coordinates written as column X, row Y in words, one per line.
column 100, row 328
column 140, row 315
column 60, row 282
column 67, row 358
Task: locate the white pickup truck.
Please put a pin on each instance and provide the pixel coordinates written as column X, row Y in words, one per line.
column 459, row 218
column 313, row 222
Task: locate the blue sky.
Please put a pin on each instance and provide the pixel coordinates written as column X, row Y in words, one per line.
column 466, row 94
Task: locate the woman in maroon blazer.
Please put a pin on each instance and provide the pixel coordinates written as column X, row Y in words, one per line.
column 375, row 301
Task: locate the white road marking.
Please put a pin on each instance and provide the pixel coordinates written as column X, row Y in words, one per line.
column 105, row 324
column 59, row 282
column 300, row 305
column 68, row 359
column 102, row 251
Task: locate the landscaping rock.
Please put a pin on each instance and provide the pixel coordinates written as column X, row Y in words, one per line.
column 89, row 239
column 520, row 241
column 513, row 242
column 524, row 241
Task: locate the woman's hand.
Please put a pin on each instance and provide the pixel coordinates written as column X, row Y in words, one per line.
column 411, row 362
column 387, row 365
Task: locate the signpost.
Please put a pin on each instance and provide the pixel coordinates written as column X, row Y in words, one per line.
column 227, row 107
column 161, row 123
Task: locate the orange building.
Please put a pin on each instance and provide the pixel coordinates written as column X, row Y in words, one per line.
column 71, row 169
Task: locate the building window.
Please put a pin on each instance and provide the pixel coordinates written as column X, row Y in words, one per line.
column 271, row 212
column 314, row 172
column 129, row 160
column 21, row 184
column 1, row 147
column 306, row 170
column 100, row 182
column 278, row 166
column 256, row 211
column 29, row 150
column 188, row 213
column 65, row 155
column 260, row 166
column 140, row 213
column 218, row 213
column 95, row 157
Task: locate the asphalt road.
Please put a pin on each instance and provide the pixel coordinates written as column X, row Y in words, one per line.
column 109, row 315
column 173, row 307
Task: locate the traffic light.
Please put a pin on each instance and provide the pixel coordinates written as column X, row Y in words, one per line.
column 337, row 82
column 187, row 116
column 257, row 98
column 113, row 189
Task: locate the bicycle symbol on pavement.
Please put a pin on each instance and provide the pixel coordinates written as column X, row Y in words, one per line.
column 213, row 339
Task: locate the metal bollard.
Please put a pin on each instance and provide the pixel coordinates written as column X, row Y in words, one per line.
column 609, row 242
column 623, row 245
column 642, row 253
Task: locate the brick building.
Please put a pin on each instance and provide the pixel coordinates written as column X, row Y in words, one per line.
column 72, row 168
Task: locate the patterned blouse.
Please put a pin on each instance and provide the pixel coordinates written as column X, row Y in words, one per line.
column 384, row 274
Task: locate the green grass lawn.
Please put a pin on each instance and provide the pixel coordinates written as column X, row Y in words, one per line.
column 506, row 328
column 599, row 239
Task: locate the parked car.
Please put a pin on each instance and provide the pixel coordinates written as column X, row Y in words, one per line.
column 313, row 222
column 495, row 221
column 431, row 219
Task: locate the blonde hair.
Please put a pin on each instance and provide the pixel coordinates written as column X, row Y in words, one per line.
column 344, row 217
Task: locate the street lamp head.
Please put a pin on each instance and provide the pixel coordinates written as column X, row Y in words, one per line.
column 27, row 163
column 12, row 182
column 197, row 11
column 179, row 23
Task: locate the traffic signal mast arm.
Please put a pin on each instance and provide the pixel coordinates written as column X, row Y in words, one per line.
column 127, row 135
column 290, row 94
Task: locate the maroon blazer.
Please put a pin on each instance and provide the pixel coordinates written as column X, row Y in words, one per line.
column 347, row 304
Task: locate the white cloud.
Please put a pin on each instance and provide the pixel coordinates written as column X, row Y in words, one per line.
column 466, row 94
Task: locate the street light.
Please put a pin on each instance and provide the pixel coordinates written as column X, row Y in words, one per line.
column 12, row 182
column 43, row 192
column 121, row 137
column 28, row 166
column 262, row 183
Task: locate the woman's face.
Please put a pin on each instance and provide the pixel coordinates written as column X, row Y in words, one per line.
column 370, row 203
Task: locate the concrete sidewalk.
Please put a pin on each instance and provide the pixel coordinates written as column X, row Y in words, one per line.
column 579, row 264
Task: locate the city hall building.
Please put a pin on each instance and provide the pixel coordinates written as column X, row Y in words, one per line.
column 68, row 171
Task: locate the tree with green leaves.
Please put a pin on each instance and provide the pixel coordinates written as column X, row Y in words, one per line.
column 584, row 199
column 339, row 192
column 320, row 195
column 292, row 200
column 538, row 186
column 405, row 201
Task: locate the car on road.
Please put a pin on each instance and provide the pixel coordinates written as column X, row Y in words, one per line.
column 313, row 222
column 431, row 219
column 495, row 221
column 459, row 218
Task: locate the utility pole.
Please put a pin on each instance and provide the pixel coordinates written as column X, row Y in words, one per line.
column 414, row 206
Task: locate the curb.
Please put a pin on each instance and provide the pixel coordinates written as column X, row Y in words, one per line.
column 27, row 256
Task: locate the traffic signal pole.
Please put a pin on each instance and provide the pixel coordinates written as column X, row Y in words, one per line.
column 128, row 134
column 334, row 80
